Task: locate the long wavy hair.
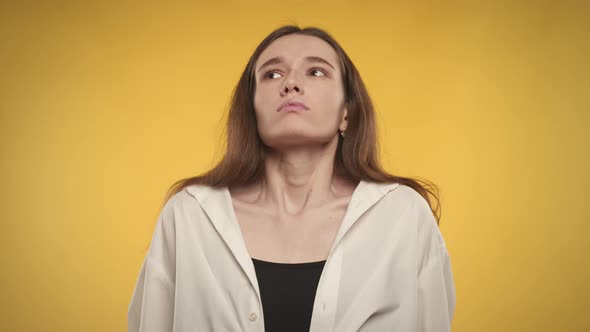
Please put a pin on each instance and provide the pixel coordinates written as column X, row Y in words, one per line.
column 243, row 162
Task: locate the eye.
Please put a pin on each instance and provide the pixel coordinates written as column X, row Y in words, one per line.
column 317, row 71
column 271, row 74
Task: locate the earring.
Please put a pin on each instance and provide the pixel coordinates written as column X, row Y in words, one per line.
column 342, row 134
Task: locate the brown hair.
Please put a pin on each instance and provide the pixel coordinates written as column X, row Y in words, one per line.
column 243, row 162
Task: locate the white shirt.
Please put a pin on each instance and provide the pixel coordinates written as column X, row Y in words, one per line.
column 388, row 268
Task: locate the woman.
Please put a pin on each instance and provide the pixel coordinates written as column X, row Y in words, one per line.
column 297, row 228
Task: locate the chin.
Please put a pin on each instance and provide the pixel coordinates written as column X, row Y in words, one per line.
column 295, row 140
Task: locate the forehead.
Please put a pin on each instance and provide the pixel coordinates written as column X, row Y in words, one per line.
column 294, row 46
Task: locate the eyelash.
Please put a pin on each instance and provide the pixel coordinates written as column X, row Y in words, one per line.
column 320, row 69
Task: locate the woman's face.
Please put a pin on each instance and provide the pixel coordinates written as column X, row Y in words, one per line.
column 299, row 69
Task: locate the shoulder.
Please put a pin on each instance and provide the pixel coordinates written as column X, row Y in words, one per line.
column 188, row 198
column 181, row 209
column 191, row 194
column 403, row 195
column 406, row 192
column 201, row 192
column 405, row 202
column 178, row 199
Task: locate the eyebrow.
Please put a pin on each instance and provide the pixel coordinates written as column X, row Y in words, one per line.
column 279, row 59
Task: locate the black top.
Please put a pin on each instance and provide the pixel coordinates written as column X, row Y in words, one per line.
column 288, row 292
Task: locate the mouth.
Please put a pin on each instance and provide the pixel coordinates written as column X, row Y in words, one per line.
column 292, row 106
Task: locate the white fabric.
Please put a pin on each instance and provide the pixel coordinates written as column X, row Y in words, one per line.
column 388, row 268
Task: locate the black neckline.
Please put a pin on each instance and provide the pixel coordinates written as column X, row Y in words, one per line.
column 292, row 265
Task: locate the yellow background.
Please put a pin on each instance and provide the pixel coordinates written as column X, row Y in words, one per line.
column 104, row 105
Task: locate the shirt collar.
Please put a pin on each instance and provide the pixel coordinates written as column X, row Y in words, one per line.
column 217, row 204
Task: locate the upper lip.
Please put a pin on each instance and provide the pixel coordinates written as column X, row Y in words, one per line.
column 292, row 102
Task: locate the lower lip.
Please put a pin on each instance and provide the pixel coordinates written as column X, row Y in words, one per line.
column 293, row 108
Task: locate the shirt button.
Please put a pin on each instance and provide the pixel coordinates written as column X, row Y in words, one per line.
column 253, row 316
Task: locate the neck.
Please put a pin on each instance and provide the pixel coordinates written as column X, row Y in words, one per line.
column 299, row 178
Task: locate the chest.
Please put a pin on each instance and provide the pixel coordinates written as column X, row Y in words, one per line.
column 274, row 237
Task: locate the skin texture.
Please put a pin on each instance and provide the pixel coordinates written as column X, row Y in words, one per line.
column 294, row 214
column 317, row 84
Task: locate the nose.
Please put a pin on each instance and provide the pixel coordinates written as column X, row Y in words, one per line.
column 291, row 85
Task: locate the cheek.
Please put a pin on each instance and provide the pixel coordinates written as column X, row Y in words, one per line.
column 261, row 109
column 262, row 99
column 256, row 100
column 329, row 107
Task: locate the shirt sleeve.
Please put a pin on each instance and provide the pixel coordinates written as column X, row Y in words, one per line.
column 152, row 303
column 436, row 289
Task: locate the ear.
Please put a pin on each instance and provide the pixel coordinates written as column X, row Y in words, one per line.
column 344, row 122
